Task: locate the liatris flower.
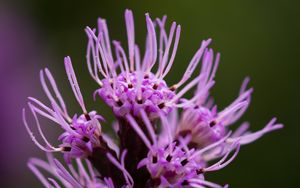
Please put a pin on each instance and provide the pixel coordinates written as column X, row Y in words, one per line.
column 155, row 144
column 171, row 163
column 129, row 84
column 81, row 132
column 202, row 121
column 82, row 136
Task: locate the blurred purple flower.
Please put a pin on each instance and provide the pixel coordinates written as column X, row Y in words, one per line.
column 20, row 53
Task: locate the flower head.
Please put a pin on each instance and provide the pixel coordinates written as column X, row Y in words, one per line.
column 81, row 133
column 171, row 163
column 204, row 123
column 129, row 84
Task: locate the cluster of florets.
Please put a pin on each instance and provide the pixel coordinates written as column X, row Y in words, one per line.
column 172, row 165
column 84, row 137
column 200, row 123
column 153, row 144
column 133, row 94
column 81, row 133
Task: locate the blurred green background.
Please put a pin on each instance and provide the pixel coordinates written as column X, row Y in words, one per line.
column 258, row 38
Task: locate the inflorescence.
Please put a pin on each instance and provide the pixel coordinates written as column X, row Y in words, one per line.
column 161, row 139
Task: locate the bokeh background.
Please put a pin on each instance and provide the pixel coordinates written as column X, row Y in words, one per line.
column 258, row 38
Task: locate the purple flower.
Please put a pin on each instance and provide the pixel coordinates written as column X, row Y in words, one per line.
column 171, row 163
column 160, row 139
column 202, row 121
column 129, row 84
column 81, row 133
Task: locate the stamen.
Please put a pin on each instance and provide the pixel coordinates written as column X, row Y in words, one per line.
column 209, row 147
column 119, row 102
column 162, row 37
column 93, row 73
column 65, row 174
column 161, row 105
column 138, row 130
column 237, row 108
column 33, row 137
column 162, row 64
column 200, row 183
column 200, row 171
column 229, row 111
column 139, row 101
column 244, row 85
column 120, row 50
column 169, row 158
column 127, row 176
column 39, row 127
column 152, row 44
column 171, row 61
column 212, row 123
column 106, row 62
column 166, row 128
column 139, row 73
column 193, row 64
column 245, row 139
column 95, row 55
column 74, row 84
column 33, row 164
column 154, row 159
column 82, row 171
column 56, row 185
column 48, row 114
column 62, row 107
column 240, row 130
column 185, row 183
column 221, row 164
column 66, row 149
column 102, row 27
column 185, row 89
column 87, row 116
column 149, row 127
column 62, row 121
column 130, row 35
column 184, row 162
column 85, row 139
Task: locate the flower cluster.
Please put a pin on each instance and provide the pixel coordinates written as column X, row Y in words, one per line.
column 160, row 138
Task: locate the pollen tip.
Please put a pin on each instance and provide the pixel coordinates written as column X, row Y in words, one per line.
column 173, row 88
column 66, row 149
column 119, row 103
column 212, row 123
column 161, row 105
